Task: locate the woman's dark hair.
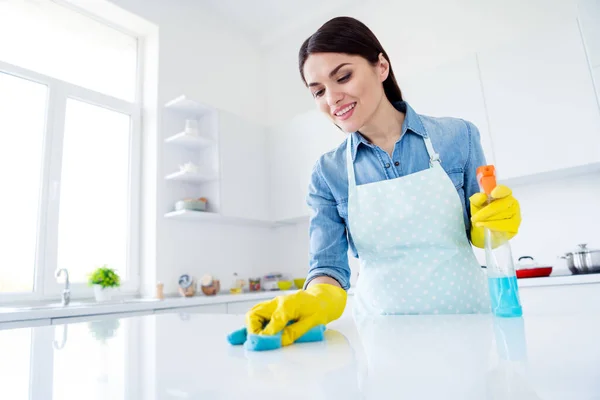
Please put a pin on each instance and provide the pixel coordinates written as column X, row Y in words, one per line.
column 350, row 36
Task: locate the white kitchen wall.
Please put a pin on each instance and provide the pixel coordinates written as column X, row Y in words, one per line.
column 203, row 57
column 589, row 14
column 557, row 214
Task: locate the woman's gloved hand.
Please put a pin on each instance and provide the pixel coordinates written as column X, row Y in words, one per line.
column 319, row 304
column 502, row 216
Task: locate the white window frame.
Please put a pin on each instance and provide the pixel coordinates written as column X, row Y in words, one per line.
column 45, row 283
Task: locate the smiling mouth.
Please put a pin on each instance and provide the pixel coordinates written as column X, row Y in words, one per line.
column 346, row 111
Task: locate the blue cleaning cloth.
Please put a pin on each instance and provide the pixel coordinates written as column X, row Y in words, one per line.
column 254, row 342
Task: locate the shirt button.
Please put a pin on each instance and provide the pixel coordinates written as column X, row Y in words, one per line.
column 396, row 163
column 387, row 165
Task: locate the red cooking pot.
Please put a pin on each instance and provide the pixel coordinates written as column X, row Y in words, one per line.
column 528, row 268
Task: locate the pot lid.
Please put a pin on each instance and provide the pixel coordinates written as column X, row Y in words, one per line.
column 583, row 249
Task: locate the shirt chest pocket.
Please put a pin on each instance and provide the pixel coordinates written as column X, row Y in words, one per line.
column 457, row 179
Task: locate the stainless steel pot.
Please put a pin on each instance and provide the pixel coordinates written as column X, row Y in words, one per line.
column 583, row 260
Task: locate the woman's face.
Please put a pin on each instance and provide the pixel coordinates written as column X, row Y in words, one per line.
column 347, row 88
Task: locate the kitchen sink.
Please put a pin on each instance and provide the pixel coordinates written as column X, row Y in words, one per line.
column 72, row 304
column 56, row 305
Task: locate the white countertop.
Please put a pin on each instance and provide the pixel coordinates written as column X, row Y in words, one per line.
column 170, row 356
column 10, row 313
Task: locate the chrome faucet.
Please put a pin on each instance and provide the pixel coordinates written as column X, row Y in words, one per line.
column 66, row 294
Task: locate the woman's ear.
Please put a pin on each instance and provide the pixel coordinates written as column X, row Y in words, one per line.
column 383, row 68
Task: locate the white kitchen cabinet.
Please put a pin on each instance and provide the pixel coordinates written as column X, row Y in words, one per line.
column 596, row 72
column 589, row 18
column 203, row 309
column 451, row 90
column 243, row 166
column 97, row 317
column 293, row 150
column 542, row 109
column 561, row 299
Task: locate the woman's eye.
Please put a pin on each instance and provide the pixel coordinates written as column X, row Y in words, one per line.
column 344, row 78
column 319, row 93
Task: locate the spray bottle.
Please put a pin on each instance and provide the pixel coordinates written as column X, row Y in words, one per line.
column 502, row 279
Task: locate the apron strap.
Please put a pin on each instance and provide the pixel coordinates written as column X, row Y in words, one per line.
column 433, row 156
column 350, row 164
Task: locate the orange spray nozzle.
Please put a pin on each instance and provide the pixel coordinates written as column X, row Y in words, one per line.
column 486, row 176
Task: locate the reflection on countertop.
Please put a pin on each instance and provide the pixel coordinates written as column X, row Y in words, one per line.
column 427, row 357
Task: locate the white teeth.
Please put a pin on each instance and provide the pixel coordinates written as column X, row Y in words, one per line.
column 345, row 110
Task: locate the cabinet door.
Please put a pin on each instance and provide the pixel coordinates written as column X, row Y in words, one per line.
column 243, row 166
column 541, row 104
column 596, row 72
column 98, row 317
column 293, row 150
column 204, row 309
column 589, row 17
column 451, row 90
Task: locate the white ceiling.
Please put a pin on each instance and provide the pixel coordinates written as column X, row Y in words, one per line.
column 267, row 20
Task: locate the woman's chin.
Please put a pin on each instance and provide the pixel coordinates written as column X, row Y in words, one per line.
column 347, row 126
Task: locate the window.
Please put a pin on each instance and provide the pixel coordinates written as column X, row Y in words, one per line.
column 22, row 116
column 92, row 227
column 69, row 149
column 67, row 45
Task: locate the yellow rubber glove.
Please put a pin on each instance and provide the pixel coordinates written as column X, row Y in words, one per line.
column 317, row 305
column 502, row 216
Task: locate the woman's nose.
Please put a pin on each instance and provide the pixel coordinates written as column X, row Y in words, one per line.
column 334, row 98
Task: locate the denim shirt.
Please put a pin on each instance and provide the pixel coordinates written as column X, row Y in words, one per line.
column 458, row 143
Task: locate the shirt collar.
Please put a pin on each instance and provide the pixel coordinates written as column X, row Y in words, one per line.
column 411, row 123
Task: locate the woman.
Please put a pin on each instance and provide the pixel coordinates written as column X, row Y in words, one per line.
column 401, row 192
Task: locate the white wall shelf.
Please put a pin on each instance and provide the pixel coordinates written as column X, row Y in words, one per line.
column 210, row 217
column 189, row 141
column 190, row 177
column 184, row 104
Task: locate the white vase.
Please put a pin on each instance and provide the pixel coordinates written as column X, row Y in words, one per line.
column 191, row 127
column 102, row 294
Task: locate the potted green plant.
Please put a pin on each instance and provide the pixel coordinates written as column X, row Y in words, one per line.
column 104, row 280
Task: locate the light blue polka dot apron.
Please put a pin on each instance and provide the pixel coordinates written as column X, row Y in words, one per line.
column 414, row 254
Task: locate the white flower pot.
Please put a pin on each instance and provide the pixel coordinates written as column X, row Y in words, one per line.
column 102, row 294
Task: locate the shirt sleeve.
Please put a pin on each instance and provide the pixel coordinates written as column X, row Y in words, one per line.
column 475, row 159
column 327, row 231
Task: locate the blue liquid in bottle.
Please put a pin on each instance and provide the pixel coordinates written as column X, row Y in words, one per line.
column 504, row 296
column 502, row 279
